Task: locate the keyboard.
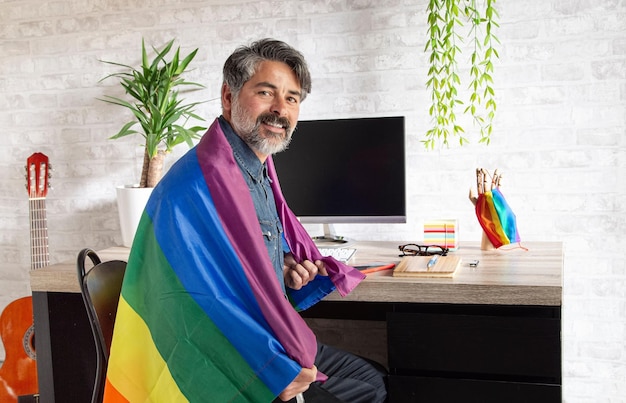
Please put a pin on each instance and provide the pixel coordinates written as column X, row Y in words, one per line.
column 341, row 254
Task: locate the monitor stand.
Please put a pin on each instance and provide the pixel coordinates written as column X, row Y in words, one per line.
column 330, row 239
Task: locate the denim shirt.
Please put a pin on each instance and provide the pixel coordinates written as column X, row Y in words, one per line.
column 256, row 177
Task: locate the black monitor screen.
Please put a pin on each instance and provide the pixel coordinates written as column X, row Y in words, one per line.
column 345, row 171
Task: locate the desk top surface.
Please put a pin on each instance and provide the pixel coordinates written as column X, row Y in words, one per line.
column 508, row 276
column 503, row 277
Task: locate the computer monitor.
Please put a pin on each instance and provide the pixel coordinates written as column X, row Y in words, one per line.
column 345, row 171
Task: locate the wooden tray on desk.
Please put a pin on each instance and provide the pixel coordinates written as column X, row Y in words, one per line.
column 417, row 266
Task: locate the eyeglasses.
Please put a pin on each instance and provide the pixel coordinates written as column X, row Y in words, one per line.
column 412, row 249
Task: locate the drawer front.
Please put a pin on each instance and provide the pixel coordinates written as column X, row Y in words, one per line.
column 405, row 389
column 487, row 347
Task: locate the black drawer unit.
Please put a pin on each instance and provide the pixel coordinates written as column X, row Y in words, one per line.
column 408, row 389
column 477, row 353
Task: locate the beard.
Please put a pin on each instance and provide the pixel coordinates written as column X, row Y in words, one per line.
column 249, row 129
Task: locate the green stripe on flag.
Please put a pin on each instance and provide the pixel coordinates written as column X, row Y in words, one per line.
column 185, row 336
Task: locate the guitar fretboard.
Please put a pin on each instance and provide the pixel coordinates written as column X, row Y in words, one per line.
column 40, row 255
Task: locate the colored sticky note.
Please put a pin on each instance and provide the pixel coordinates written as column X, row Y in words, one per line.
column 442, row 232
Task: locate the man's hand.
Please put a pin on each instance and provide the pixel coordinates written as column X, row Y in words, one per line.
column 297, row 275
column 300, row 384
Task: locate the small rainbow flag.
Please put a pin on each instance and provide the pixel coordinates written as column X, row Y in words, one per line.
column 201, row 316
column 497, row 218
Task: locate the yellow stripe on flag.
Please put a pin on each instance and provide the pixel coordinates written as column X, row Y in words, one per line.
column 136, row 369
column 496, row 224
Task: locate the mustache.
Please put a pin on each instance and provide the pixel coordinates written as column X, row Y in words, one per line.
column 272, row 119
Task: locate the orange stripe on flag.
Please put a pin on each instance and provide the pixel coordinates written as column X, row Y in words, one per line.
column 111, row 395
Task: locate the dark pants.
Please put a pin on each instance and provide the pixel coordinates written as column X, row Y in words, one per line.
column 351, row 379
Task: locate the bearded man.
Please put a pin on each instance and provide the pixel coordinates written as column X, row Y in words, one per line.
column 220, row 266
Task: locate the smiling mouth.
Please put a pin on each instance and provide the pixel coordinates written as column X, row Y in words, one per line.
column 275, row 122
column 276, row 126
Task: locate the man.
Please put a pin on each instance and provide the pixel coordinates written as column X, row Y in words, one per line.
column 219, row 263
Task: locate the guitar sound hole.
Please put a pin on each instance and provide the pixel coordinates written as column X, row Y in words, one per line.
column 29, row 342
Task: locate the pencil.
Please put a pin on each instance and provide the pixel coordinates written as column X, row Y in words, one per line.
column 373, row 269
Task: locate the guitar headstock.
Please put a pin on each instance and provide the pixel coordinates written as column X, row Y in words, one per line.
column 37, row 175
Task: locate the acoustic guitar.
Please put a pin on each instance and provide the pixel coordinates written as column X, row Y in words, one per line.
column 18, row 374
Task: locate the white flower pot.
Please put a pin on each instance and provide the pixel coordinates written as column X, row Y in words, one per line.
column 131, row 202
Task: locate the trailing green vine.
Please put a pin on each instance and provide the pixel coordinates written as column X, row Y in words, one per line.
column 445, row 17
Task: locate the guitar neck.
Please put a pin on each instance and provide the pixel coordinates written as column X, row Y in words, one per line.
column 39, row 253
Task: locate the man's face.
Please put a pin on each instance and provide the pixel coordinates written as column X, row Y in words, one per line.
column 266, row 110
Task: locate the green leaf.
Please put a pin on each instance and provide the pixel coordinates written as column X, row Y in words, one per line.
column 125, row 131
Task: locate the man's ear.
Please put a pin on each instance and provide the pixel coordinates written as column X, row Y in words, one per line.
column 227, row 97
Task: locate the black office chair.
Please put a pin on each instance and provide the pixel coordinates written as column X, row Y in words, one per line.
column 100, row 287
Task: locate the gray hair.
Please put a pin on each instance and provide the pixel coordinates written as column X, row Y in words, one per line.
column 242, row 64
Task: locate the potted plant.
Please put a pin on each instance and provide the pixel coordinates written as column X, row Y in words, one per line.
column 162, row 117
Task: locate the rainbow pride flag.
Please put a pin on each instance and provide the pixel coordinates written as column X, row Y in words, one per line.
column 201, row 316
column 497, row 218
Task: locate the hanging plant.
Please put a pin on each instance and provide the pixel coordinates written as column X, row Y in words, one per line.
column 445, row 19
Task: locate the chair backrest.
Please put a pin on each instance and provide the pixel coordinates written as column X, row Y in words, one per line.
column 100, row 287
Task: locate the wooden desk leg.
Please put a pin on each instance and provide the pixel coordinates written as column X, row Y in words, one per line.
column 65, row 348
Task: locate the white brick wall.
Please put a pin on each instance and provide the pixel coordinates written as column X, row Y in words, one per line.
column 559, row 138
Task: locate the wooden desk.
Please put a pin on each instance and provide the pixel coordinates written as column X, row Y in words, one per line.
column 512, row 277
column 491, row 333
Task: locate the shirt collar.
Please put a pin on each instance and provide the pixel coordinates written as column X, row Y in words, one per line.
column 244, row 155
